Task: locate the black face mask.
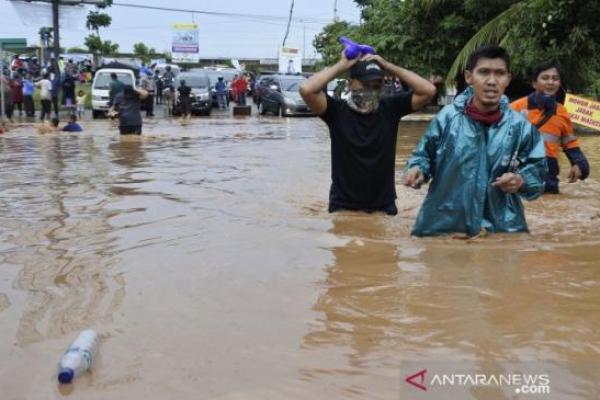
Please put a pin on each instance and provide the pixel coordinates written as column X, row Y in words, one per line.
column 543, row 101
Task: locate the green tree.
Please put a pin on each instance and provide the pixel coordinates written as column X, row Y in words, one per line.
column 76, row 50
column 417, row 34
column 535, row 30
column 327, row 43
column 437, row 36
column 143, row 52
column 45, row 33
column 96, row 45
column 96, row 20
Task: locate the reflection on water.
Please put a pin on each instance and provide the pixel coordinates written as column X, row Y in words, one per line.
column 205, row 257
column 361, row 296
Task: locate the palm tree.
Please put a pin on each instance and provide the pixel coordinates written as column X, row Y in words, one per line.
column 497, row 30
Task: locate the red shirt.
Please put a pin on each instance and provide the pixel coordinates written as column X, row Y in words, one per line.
column 16, row 90
column 241, row 85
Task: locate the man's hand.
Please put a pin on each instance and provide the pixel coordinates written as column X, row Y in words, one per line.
column 509, row 182
column 377, row 58
column 414, row 178
column 311, row 89
column 575, row 173
column 346, row 64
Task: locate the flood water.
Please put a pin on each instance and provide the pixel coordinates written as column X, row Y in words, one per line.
column 206, row 259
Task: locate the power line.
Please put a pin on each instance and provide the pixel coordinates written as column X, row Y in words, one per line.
column 218, row 13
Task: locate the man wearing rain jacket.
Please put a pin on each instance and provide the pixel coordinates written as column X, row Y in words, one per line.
column 480, row 155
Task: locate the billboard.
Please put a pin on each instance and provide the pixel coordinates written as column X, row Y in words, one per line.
column 72, row 17
column 185, row 45
column 290, row 61
column 583, row 111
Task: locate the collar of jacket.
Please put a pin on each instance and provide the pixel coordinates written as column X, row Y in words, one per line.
column 461, row 101
column 545, row 103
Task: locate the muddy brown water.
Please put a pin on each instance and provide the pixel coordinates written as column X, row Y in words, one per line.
column 205, row 258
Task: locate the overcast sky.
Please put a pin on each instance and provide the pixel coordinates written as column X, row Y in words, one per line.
column 220, row 36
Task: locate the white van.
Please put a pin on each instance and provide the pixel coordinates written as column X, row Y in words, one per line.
column 101, row 85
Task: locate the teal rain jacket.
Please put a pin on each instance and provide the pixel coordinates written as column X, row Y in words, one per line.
column 463, row 157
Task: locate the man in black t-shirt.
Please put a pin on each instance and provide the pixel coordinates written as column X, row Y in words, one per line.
column 363, row 130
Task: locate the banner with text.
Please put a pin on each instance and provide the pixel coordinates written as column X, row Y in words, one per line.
column 583, row 111
column 185, row 46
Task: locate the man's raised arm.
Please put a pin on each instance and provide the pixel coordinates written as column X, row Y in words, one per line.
column 311, row 89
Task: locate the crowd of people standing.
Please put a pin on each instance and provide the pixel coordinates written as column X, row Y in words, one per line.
column 24, row 78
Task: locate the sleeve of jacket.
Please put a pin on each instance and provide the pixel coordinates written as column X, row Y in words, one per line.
column 423, row 156
column 532, row 162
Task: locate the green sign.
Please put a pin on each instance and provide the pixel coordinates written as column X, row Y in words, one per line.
column 12, row 44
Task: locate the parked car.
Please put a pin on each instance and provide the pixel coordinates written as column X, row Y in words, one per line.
column 279, row 94
column 261, row 81
column 343, row 92
column 101, row 85
column 331, row 88
column 200, row 84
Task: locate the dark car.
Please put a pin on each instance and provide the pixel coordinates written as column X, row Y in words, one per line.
column 259, row 84
column 213, row 75
column 279, row 94
column 200, row 84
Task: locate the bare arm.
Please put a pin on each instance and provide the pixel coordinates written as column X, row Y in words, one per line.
column 311, row 89
column 423, row 90
column 143, row 93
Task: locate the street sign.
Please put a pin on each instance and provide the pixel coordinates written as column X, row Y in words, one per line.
column 12, row 44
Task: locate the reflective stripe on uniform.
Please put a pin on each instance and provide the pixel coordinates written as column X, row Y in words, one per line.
column 567, row 139
column 549, row 138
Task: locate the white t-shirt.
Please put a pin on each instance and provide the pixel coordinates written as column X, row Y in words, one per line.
column 81, row 100
column 45, row 89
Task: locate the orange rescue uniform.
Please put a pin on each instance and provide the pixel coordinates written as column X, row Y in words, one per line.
column 557, row 131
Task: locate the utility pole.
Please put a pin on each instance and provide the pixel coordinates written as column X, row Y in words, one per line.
column 55, row 17
column 304, row 41
column 2, row 99
column 287, row 30
column 55, row 26
column 335, row 11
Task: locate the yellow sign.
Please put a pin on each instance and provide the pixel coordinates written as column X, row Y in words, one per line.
column 583, row 111
column 185, row 25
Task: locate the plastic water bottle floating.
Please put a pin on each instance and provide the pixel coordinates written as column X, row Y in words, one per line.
column 79, row 356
